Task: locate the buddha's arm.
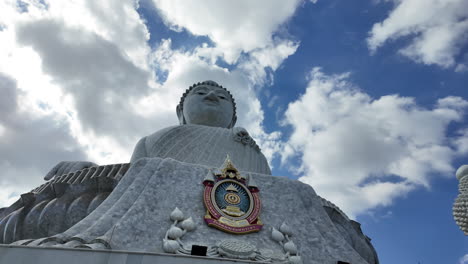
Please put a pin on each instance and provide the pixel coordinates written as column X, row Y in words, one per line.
column 139, row 151
column 65, row 167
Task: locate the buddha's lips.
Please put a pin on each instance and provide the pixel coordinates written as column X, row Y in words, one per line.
column 210, row 102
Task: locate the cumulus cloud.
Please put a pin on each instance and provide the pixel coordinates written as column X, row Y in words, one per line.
column 438, row 30
column 234, row 26
column 461, row 142
column 93, row 70
column 461, row 68
column 82, row 73
column 361, row 152
column 270, row 57
column 30, row 143
column 464, row 259
column 84, row 64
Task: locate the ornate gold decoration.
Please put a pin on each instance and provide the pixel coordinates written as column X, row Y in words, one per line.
column 229, row 170
column 232, row 198
column 231, row 188
column 232, row 204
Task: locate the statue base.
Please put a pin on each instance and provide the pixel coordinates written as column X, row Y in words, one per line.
column 53, row 255
column 139, row 216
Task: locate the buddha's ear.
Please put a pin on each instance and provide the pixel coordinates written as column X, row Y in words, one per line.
column 180, row 115
column 233, row 122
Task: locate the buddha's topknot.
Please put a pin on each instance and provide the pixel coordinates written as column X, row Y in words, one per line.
column 180, row 106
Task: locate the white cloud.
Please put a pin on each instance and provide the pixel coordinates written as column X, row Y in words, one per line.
column 101, row 83
column 78, row 71
column 270, row 56
column 81, row 63
column 464, row 259
column 29, row 143
column 234, row 26
column 361, row 152
column 461, row 142
column 461, row 68
column 438, row 30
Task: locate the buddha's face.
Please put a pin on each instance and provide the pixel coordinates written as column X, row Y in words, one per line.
column 208, row 105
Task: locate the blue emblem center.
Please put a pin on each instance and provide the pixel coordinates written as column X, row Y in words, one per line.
column 232, row 199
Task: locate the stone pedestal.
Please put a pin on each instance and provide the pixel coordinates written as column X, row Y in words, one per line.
column 51, row 255
column 135, row 217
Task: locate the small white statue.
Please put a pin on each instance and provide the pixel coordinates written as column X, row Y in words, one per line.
column 460, row 207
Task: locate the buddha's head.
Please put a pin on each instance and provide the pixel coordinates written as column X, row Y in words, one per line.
column 207, row 103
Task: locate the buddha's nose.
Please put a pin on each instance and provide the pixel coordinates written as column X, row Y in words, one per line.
column 212, row 96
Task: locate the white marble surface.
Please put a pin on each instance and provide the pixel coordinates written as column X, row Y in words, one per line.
column 135, row 216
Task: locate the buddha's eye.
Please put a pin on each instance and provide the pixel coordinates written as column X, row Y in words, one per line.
column 201, row 92
column 222, row 97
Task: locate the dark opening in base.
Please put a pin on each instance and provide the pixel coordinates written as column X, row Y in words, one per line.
column 198, row 250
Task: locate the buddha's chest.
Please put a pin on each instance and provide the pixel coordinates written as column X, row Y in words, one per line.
column 208, row 146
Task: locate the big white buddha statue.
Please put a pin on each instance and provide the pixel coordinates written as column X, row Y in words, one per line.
column 130, row 206
column 207, row 115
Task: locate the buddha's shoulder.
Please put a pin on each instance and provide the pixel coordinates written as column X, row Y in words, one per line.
column 153, row 138
column 195, row 129
column 183, row 132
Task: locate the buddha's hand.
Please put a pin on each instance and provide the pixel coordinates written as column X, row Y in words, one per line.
column 65, row 167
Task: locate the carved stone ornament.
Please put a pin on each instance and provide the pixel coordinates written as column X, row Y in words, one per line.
column 241, row 135
column 237, row 249
column 283, row 237
column 233, row 205
column 172, row 240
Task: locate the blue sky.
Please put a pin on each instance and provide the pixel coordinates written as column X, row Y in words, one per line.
column 365, row 101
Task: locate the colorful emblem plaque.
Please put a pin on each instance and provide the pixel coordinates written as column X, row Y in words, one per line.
column 232, row 201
